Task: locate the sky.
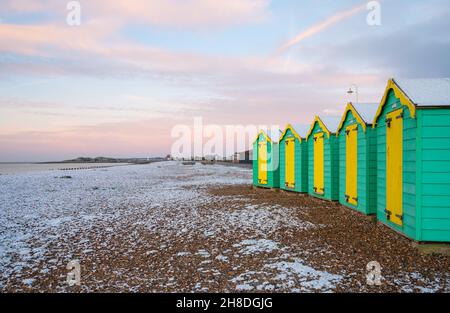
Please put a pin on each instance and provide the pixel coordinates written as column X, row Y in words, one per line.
column 118, row 83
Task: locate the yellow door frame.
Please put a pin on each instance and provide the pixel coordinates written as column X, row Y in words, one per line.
column 394, row 167
column 290, row 162
column 351, row 164
column 262, row 162
column 319, row 163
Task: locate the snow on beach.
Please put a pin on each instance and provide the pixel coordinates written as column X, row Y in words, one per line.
column 166, row 227
column 50, row 218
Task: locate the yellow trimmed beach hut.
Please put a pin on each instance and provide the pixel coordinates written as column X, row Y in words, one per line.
column 357, row 157
column 294, row 158
column 323, row 161
column 412, row 127
column 266, row 170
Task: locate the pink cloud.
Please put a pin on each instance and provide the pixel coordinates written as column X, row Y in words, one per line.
column 141, row 138
column 99, row 40
column 191, row 14
column 26, row 6
column 181, row 14
column 321, row 26
column 250, row 90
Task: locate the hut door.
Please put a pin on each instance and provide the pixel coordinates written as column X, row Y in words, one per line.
column 318, row 164
column 351, row 164
column 262, row 162
column 290, row 162
column 394, row 168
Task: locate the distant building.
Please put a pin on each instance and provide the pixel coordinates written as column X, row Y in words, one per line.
column 243, row 157
column 211, row 158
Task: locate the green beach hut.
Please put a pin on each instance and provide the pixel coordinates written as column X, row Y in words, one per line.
column 357, row 158
column 266, row 170
column 294, row 159
column 323, row 160
column 413, row 158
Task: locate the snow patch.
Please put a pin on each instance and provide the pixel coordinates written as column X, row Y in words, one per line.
column 222, row 258
column 183, row 253
column 297, row 274
column 203, row 253
column 252, row 246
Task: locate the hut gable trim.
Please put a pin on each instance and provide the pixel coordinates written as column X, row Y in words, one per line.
column 363, row 113
column 299, row 131
column 351, row 108
column 270, row 137
column 420, row 93
column 294, row 132
column 322, row 125
column 400, row 94
column 261, row 132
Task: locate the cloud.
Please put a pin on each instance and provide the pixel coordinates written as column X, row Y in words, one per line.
column 94, row 46
column 186, row 14
column 195, row 14
column 222, row 89
column 241, row 85
column 99, row 34
column 30, row 6
column 142, row 138
column 420, row 50
column 48, row 39
column 319, row 27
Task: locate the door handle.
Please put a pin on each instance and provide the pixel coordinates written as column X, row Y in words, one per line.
column 388, row 122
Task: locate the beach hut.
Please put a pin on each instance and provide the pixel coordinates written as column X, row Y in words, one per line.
column 323, row 161
column 357, row 158
column 266, row 171
column 413, row 158
column 294, row 159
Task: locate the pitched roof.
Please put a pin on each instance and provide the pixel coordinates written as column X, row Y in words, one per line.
column 367, row 111
column 426, row 91
column 331, row 122
column 274, row 134
column 364, row 113
column 301, row 129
